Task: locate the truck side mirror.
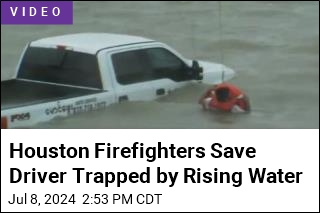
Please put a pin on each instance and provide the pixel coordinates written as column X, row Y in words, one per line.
column 197, row 71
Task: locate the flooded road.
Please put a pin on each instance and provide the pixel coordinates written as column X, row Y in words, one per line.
column 274, row 47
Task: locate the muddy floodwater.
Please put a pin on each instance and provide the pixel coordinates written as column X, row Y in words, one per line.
column 274, row 47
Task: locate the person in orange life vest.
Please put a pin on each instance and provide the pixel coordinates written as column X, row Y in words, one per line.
column 227, row 98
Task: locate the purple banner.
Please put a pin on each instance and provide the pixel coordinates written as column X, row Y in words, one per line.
column 36, row 12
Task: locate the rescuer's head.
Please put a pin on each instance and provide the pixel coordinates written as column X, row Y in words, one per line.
column 222, row 94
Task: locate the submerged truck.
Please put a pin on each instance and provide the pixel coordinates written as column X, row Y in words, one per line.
column 71, row 74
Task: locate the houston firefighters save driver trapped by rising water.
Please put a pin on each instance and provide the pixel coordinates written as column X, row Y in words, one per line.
column 225, row 97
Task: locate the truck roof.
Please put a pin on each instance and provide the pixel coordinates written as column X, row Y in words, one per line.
column 89, row 42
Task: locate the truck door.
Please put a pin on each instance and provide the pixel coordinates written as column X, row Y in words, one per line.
column 170, row 72
column 132, row 76
column 147, row 73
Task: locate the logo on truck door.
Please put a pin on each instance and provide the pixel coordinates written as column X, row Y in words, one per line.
column 78, row 107
column 20, row 117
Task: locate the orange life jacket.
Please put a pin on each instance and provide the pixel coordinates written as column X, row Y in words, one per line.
column 233, row 99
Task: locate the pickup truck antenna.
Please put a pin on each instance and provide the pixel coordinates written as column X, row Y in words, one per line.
column 193, row 39
column 222, row 53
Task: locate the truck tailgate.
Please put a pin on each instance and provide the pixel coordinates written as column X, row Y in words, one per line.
column 18, row 93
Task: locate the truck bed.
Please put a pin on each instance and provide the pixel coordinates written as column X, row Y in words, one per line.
column 18, row 93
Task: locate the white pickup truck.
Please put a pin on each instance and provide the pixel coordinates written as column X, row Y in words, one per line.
column 71, row 74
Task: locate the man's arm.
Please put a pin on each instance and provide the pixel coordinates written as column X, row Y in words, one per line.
column 237, row 109
column 242, row 104
column 207, row 94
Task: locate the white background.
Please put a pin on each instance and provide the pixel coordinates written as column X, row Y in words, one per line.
column 290, row 150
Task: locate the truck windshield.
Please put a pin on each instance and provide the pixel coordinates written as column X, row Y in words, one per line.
column 60, row 66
